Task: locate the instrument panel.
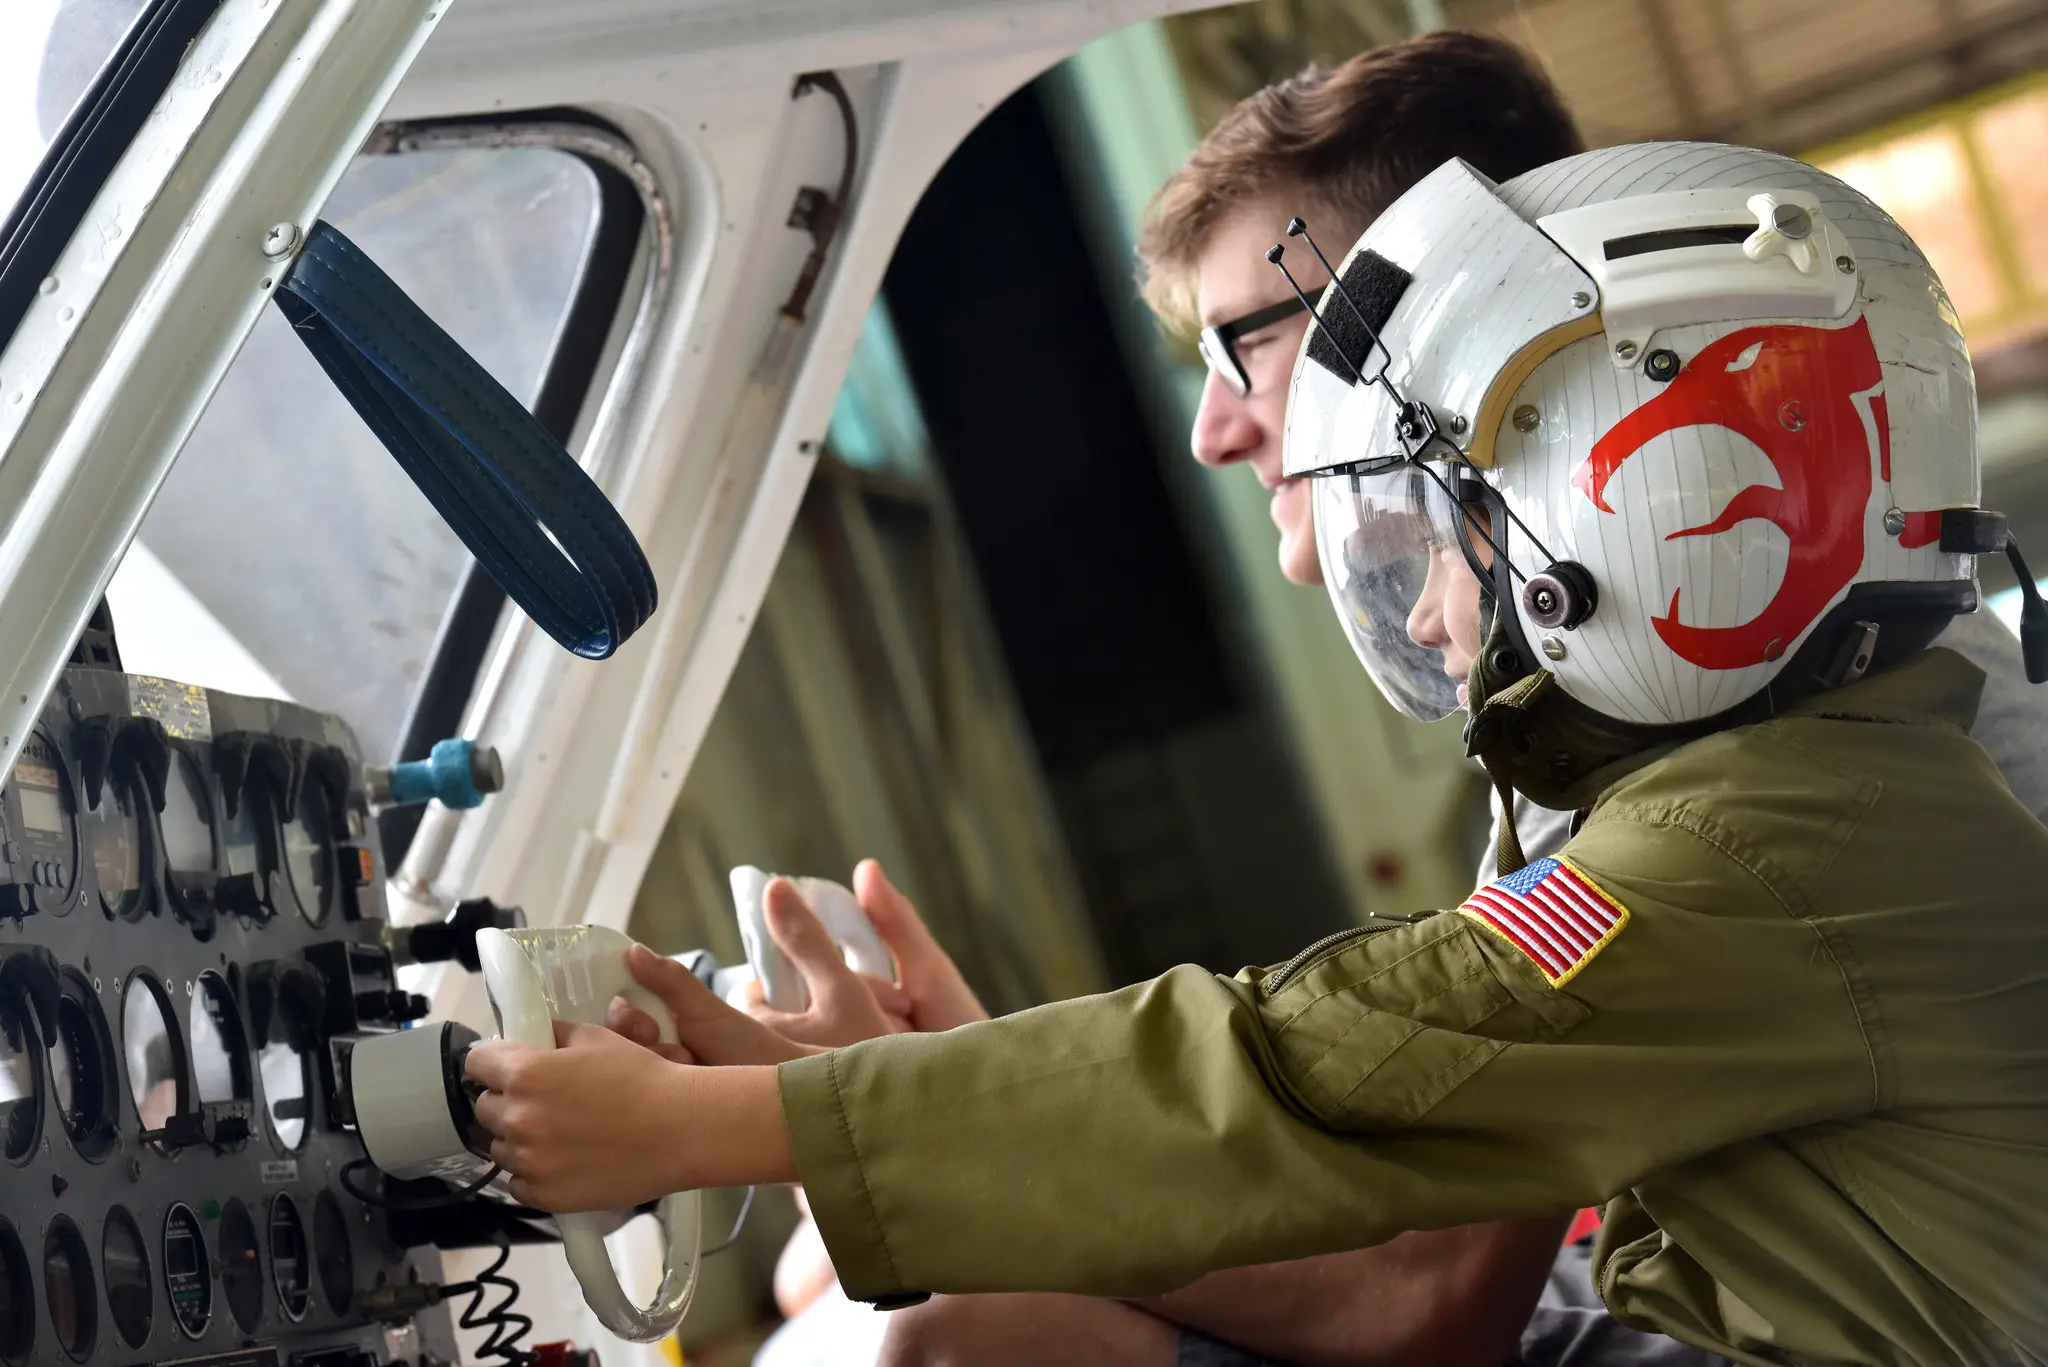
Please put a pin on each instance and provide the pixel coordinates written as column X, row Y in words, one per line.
column 191, row 935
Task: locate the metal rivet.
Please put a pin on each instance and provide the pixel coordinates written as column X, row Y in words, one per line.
column 1458, row 423
column 68, row 314
column 49, row 285
column 1792, row 221
column 1846, row 265
column 1775, row 650
column 1791, row 415
column 1553, row 648
column 1526, row 418
column 1895, row 521
column 1581, row 299
column 1625, row 350
column 281, row 241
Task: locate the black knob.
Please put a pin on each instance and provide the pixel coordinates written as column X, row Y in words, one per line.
column 1560, row 597
column 391, row 1005
column 16, row 901
column 244, row 894
column 455, row 937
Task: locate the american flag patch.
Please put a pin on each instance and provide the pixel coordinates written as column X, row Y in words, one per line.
column 1551, row 912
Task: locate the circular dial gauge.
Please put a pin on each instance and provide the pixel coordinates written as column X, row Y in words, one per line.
column 241, row 1266
column 213, row 1033
column 153, row 1052
column 291, row 1271
column 248, row 839
column 21, row 1080
column 82, row 1068
column 187, row 820
column 333, row 1255
column 188, row 1279
column 68, row 1286
column 113, row 837
column 285, row 1092
column 309, row 858
column 124, row 1262
column 17, row 1299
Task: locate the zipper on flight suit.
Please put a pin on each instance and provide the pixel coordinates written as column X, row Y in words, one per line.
column 1320, row 948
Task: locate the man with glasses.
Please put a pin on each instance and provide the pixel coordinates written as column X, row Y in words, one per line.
column 1334, row 145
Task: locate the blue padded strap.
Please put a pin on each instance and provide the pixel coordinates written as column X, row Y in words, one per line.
column 528, row 513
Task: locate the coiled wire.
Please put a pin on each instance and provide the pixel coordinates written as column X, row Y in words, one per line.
column 502, row 1327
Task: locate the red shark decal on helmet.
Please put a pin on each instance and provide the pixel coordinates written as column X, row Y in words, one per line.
column 1795, row 400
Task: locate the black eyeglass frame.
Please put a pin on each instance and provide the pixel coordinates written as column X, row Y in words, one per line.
column 1218, row 344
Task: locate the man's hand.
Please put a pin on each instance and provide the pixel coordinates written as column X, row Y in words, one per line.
column 710, row 1031
column 937, row 996
column 599, row 1123
column 846, row 1007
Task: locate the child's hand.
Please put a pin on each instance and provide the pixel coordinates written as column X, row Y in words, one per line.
column 598, row 1123
column 927, row 979
column 846, row 1007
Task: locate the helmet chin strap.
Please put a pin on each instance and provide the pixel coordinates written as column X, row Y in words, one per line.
column 1534, row 738
column 1485, row 731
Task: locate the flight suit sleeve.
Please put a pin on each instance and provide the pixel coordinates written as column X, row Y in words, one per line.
column 1411, row 1078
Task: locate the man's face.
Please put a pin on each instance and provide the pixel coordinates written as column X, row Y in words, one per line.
column 1233, row 278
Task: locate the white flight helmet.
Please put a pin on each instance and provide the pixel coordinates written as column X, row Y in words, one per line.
column 1697, row 415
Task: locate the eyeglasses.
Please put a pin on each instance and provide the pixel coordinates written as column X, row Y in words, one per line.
column 1218, row 344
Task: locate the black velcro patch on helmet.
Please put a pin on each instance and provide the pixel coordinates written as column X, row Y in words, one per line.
column 1375, row 285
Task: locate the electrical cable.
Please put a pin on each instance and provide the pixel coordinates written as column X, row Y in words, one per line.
column 826, row 217
column 502, row 1328
column 371, row 1198
column 739, row 1223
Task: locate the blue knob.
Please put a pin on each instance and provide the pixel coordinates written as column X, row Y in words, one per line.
column 457, row 772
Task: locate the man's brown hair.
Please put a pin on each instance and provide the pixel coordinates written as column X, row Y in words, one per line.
column 1349, row 140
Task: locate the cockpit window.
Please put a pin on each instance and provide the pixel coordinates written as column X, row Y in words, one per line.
column 287, row 553
column 52, row 51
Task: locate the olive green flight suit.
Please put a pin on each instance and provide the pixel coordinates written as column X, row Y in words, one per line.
column 1808, row 1074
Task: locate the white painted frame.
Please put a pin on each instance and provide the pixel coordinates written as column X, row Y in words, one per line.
column 149, row 302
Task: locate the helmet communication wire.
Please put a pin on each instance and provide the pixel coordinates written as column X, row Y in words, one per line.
column 1418, row 429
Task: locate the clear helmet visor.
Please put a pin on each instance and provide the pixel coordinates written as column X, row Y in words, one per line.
column 1399, row 578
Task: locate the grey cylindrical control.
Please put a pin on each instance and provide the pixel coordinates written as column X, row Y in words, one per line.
column 411, row 1107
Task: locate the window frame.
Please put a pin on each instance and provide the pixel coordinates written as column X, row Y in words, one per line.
column 591, row 356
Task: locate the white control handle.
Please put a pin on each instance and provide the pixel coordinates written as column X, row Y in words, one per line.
column 571, row 973
column 782, row 987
